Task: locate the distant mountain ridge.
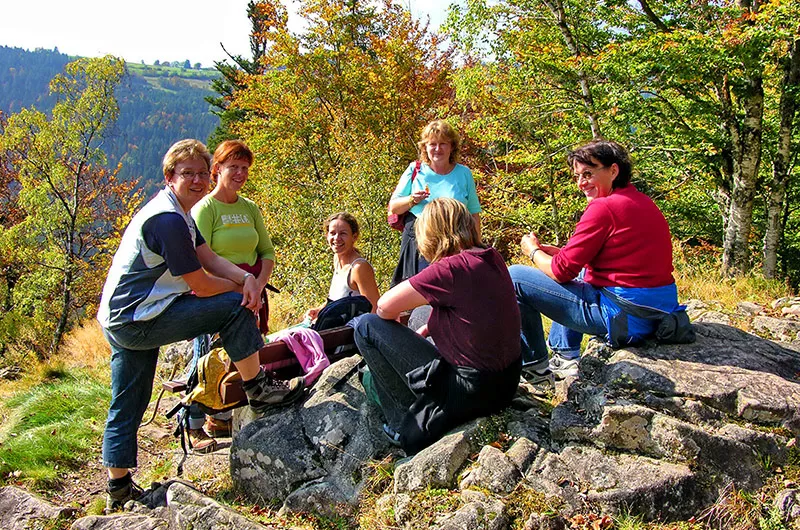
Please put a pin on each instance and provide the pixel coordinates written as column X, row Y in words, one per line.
column 159, row 104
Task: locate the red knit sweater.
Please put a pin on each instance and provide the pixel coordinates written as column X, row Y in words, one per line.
column 622, row 240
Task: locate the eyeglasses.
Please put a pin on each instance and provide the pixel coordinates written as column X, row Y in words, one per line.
column 585, row 175
column 190, row 175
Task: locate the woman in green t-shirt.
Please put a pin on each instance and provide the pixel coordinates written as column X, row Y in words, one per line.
column 234, row 228
column 232, row 225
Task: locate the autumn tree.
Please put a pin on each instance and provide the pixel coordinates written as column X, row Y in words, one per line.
column 693, row 88
column 528, row 93
column 70, row 203
column 263, row 17
column 333, row 116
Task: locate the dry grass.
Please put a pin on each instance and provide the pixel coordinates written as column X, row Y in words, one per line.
column 284, row 311
column 734, row 510
column 85, row 347
column 697, row 276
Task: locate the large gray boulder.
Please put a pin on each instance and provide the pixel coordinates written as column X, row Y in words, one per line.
column 20, row 510
column 658, row 431
column 733, row 372
column 697, row 406
column 310, row 456
column 653, row 489
column 173, row 505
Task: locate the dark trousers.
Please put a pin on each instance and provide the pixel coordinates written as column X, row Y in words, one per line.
column 410, row 261
column 423, row 396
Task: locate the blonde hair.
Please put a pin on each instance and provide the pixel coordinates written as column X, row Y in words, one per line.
column 445, row 228
column 185, row 150
column 440, row 130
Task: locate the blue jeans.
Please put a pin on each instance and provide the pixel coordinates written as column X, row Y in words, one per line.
column 574, row 307
column 134, row 352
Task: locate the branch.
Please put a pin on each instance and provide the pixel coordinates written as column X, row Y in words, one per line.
column 653, row 17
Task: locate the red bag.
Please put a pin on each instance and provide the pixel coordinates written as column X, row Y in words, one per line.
column 398, row 221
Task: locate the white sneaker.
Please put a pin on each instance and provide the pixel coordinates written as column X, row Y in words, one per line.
column 562, row 367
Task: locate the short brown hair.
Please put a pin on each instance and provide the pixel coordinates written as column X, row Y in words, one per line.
column 440, row 129
column 184, row 150
column 445, row 228
column 231, row 149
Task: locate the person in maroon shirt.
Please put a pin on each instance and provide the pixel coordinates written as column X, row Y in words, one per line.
column 474, row 367
column 621, row 242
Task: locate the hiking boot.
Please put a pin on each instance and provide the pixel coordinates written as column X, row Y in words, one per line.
column 116, row 499
column 201, row 442
column 563, row 367
column 218, row 428
column 537, row 377
column 392, row 435
column 265, row 393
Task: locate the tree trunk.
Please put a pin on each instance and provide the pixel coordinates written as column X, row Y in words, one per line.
column 776, row 187
column 557, row 9
column 66, row 301
column 746, row 144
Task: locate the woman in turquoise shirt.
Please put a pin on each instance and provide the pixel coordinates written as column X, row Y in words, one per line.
column 439, row 175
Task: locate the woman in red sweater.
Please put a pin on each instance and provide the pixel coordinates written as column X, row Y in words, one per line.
column 621, row 242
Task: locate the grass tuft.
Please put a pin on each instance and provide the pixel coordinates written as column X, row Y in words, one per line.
column 740, row 510
column 524, row 501
column 52, row 428
column 86, row 347
column 697, row 276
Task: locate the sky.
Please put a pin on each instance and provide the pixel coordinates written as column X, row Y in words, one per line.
column 148, row 30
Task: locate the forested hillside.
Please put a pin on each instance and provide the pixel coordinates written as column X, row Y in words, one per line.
column 159, row 104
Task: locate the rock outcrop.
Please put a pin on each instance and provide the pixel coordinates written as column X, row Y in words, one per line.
column 20, row 510
column 659, row 431
column 311, row 457
column 173, row 505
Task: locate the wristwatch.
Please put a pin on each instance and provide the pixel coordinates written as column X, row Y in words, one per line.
column 246, row 274
column 533, row 254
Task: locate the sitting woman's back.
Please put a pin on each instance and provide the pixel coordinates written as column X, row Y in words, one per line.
column 473, row 369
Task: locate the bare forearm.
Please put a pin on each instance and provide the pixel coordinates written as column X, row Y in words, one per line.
column 205, row 285
column 401, row 297
column 267, row 266
column 223, row 268
column 400, row 205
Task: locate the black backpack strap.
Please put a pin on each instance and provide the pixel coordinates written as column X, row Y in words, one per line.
column 182, row 425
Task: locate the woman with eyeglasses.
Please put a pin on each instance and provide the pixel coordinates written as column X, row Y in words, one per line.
column 165, row 284
column 234, row 228
column 621, row 242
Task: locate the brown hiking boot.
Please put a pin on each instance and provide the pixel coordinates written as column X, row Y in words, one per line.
column 218, row 428
column 201, row 442
column 265, row 393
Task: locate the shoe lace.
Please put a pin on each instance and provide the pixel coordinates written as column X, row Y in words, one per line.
column 278, row 383
column 136, row 490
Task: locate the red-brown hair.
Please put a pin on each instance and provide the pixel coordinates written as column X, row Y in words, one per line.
column 229, row 149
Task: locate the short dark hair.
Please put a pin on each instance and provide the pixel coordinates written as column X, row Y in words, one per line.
column 606, row 152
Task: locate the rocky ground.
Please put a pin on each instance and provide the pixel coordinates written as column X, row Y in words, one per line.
column 661, row 432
